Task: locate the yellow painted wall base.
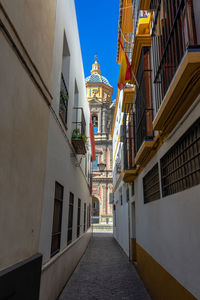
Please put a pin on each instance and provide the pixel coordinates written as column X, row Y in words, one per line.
column 133, row 249
column 160, row 284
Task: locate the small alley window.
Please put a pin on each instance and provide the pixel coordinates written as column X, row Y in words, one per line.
column 78, row 217
column 84, row 218
column 151, row 185
column 57, row 219
column 94, row 164
column 70, row 218
column 95, row 122
column 180, row 166
column 64, row 96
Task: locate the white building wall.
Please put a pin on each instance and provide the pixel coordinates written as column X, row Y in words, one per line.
column 168, row 229
column 120, row 229
column 60, row 166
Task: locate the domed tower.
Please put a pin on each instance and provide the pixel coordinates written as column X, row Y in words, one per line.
column 99, row 93
column 97, row 85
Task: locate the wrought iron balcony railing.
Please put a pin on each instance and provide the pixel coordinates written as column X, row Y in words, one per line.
column 64, row 98
column 143, row 102
column 79, row 131
column 128, row 133
column 173, row 33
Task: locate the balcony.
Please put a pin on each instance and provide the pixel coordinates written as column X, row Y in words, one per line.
column 142, row 39
column 128, row 96
column 78, row 134
column 143, row 108
column 128, row 138
column 64, row 98
column 176, row 62
column 144, row 4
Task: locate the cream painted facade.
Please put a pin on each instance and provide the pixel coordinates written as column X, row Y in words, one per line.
column 25, row 85
column 156, row 202
column 41, row 81
column 63, row 165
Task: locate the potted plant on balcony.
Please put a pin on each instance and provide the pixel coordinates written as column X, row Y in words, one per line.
column 78, row 141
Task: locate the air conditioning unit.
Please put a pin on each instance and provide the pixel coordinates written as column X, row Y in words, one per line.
column 111, row 198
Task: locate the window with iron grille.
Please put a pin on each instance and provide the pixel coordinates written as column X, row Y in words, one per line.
column 133, row 189
column 64, row 97
column 151, row 185
column 143, row 102
column 173, row 33
column 78, row 217
column 180, row 166
column 88, row 216
column 127, row 195
column 127, row 135
column 70, row 218
column 57, row 219
column 84, row 222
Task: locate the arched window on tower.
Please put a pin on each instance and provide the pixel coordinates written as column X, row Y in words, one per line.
column 95, row 122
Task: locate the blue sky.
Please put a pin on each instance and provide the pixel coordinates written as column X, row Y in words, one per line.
column 98, row 29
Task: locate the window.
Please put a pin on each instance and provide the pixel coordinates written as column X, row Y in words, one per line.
column 78, row 217
column 133, row 189
column 173, row 31
column 63, row 106
column 57, row 219
column 121, row 199
column 94, row 164
column 127, row 195
column 84, row 222
column 143, row 102
column 151, row 185
column 70, row 218
column 180, row 166
column 64, row 97
column 88, row 215
column 95, row 122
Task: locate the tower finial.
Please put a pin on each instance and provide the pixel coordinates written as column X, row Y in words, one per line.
column 96, row 57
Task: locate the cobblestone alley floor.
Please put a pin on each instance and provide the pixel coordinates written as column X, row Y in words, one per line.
column 104, row 273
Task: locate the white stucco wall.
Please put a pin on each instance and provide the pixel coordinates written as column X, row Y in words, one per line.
column 60, row 166
column 168, row 229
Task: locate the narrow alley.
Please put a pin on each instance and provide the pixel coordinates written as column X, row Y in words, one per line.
column 100, row 149
column 104, row 272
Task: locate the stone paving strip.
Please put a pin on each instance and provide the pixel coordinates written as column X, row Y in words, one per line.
column 104, row 273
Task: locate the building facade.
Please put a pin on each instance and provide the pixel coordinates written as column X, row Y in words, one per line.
column 46, row 157
column 156, row 126
column 99, row 93
column 65, row 227
column 25, row 85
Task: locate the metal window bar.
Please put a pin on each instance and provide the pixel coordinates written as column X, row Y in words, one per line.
column 128, row 43
column 79, row 122
column 64, row 99
column 129, row 137
column 78, row 217
column 84, row 221
column 151, row 185
column 180, row 166
column 57, row 219
column 70, row 219
column 143, row 103
column 173, row 33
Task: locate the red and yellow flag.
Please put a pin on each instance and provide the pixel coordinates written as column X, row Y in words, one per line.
column 125, row 70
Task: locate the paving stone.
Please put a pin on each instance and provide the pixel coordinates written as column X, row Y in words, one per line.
column 104, row 273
